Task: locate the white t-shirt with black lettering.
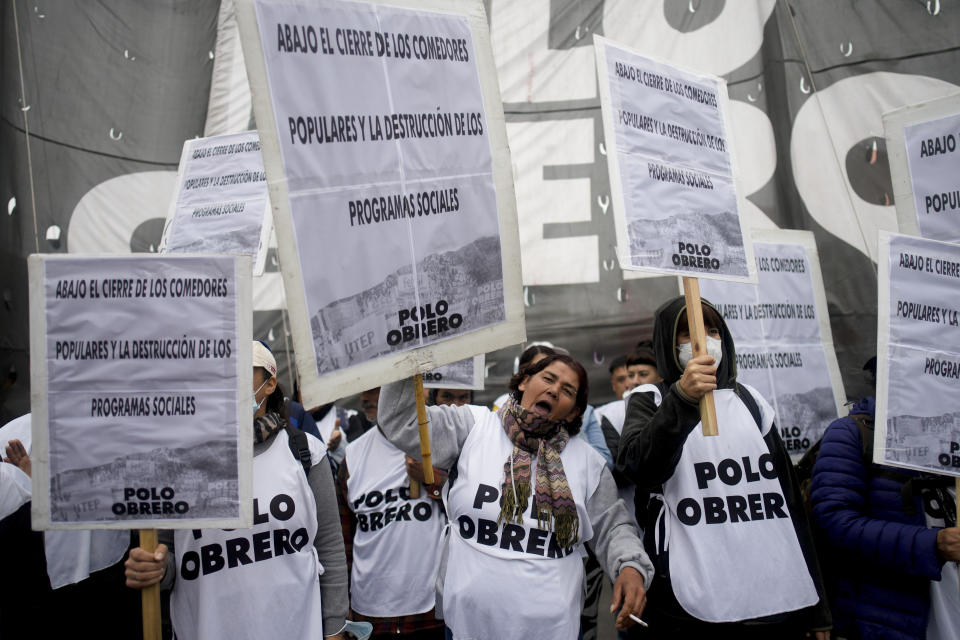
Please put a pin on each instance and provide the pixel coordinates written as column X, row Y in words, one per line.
column 512, row 581
column 395, row 546
column 733, row 550
column 261, row 582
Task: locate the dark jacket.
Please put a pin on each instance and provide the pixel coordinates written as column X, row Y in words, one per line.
column 880, row 552
column 652, row 442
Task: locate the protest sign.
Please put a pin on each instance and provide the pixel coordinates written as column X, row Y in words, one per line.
column 141, row 391
column 922, row 143
column 383, row 137
column 672, row 174
column 781, row 329
column 221, row 204
column 462, row 374
column 918, row 355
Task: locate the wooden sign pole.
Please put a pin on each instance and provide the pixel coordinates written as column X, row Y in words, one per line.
column 424, row 429
column 150, row 597
column 691, row 291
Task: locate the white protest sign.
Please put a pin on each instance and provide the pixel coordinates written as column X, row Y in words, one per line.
column 922, row 142
column 221, row 204
column 462, row 374
column 672, row 174
column 781, row 329
column 390, row 179
column 918, row 354
column 141, row 388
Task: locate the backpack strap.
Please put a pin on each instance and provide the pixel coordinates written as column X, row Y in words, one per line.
column 299, row 447
column 751, row 403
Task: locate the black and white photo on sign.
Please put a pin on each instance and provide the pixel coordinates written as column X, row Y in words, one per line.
column 462, row 374
column 671, row 169
column 918, row 357
column 392, row 186
column 782, row 334
column 221, row 204
column 922, row 140
column 139, row 415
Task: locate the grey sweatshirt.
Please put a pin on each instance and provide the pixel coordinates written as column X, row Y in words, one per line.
column 615, row 540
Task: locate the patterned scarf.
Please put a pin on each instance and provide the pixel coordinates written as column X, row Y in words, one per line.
column 555, row 508
column 266, row 426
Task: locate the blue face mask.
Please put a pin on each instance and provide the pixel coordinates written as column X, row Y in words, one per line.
column 256, row 405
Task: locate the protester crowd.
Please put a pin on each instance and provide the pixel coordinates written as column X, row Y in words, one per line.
column 536, row 503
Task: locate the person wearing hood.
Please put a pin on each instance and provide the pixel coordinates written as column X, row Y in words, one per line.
column 523, row 497
column 723, row 517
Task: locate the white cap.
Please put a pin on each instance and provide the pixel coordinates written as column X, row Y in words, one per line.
column 262, row 357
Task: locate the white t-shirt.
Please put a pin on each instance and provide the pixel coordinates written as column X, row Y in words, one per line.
column 733, row 551
column 261, row 582
column 394, row 565
column 512, row 581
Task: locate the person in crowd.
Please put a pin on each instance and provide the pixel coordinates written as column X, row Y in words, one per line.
column 259, row 592
column 726, row 524
column 323, row 422
column 458, row 397
column 523, row 497
column 83, row 568
column 390, row 537
column 358, row 424
column 888, row 536
column 618, row 377
column 642, row 365
column 25, row 589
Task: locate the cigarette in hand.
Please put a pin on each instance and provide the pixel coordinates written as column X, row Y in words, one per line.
column 638, row 620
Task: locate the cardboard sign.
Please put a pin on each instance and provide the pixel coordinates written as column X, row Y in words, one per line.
column 462, row 374
column 671, row 170
column 918, row 355
column 781, row 328
column 390, row 178
column 141, row 382
column 221, row 204
column 922, row 141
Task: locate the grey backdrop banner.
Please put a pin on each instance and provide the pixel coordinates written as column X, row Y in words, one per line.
column 114, row 89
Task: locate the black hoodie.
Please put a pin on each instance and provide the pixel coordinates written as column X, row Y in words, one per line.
column 652, row 442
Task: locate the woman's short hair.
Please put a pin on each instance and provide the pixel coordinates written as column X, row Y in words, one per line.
column 583, row 389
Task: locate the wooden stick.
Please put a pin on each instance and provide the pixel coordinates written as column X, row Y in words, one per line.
column 424, row 429
column 414, row 488
column 691, row 291
column 150, row 597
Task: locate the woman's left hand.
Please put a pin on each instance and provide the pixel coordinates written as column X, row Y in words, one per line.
column 629, row 595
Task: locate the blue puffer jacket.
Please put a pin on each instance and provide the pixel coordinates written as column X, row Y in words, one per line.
column 879, row 559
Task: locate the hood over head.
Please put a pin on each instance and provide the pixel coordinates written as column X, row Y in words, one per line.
column 666, row 319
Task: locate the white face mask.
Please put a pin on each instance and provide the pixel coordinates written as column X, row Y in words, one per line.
column 714, row 348
column 256, row 405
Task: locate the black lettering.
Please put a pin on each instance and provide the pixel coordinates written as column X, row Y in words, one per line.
column 737, row 506
column 756, row 508
column 688, row 511
column 237, row 552
column 512, row 537
column 713, row 510
column 261, row 546
column 487, row 532
column 211, row 558
column 467, row 528
column 535, row 541
column 190, row 565
column 704, row 472
column 485, row 493
column 773, row 505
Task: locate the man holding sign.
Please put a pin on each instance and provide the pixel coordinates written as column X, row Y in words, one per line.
column 727, row 507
